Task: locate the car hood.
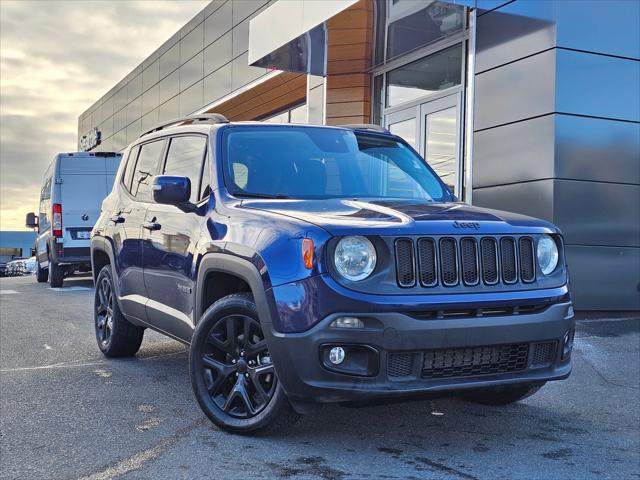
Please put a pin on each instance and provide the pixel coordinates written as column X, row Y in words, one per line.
column 395, row 217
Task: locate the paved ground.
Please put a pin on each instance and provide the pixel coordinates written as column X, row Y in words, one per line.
column 66, row 412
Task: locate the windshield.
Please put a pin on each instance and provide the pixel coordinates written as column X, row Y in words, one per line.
column 312, row 162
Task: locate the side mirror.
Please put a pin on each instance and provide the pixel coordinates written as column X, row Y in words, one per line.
column 31, row 221
column 171, row 190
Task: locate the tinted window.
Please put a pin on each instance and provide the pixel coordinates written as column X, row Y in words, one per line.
column 428, row 75
column 131, row 165
column 145, row 170
column 310, row 162
column 184, row 159
column 413, row 29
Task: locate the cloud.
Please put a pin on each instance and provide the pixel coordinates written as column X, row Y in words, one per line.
column 56, row 59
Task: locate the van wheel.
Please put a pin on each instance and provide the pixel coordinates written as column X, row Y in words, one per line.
column 232, row 375
column 116, row 336
column 42, row 274
column 56, row 274
column 502, row 395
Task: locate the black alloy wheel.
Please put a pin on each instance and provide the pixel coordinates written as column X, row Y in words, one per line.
column 116, row 336
column 104, row 311
column 237, row 368
column 232, row 374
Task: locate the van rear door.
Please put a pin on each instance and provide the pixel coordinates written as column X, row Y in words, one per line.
column 86, row 181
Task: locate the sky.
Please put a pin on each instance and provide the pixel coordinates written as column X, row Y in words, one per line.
column 56, row 59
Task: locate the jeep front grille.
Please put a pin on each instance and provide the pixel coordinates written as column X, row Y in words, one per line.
column 466, row 261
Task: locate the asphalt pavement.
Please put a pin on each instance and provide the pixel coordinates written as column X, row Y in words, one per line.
column 66, row 412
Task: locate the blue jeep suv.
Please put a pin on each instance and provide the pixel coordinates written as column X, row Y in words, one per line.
column 312, row 264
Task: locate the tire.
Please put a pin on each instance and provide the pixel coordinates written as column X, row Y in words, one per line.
column 56, row 274
column 502, row 395
column 116, row 336
column 42, row 274
column 232, row 376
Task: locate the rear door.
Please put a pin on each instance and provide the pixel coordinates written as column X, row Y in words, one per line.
column 169, row 246
column 127, row 222
column 83, row 185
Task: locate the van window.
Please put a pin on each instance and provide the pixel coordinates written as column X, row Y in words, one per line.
column 184, row 159
column 129, row 169
column 45, row 193
column 145, row 170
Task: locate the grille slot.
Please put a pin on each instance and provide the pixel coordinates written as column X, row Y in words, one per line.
column 527, row 265
column 400, row 364
column 405, row 263
column 448, row 262
column 469, row 254
column 508, row 260
column 489, row 249
column 465, row 362
column 543, row 354
column 428, row 271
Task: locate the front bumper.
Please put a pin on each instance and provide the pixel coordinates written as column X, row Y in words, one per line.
column 300, row 358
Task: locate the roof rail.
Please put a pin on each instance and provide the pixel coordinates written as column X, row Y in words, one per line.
column 366, row 126
column 212, row 118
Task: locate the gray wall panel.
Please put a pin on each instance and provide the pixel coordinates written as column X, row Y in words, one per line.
column 218, row 84
column 532, row 198
column 218, row 23
column 517, row 152
column 514, row 31
column 604, row 278
column 516, row 91
column 217, row 54
column 604, row 26
column 597, row 149
column 597, row 85
column 593, row 213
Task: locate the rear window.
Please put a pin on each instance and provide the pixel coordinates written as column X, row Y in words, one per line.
column 145, row 170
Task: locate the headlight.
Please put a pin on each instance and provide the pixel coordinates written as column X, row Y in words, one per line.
column 355, row 258
column 547, row 254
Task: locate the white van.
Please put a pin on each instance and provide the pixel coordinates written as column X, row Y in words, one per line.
column 73, row 188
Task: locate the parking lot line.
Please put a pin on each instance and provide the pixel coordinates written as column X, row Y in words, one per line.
column 8, row 292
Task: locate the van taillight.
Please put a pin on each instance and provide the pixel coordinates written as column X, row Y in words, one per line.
column 57, row 220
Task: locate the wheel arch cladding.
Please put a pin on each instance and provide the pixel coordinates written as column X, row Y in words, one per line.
column 229, row 266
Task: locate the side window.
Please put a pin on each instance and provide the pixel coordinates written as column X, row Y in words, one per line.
column 45, row 194
column 184, row 159
column 145, row 170
column 129, row 169
column 205, row 183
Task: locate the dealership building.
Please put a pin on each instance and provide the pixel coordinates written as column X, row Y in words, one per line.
column 527, row 106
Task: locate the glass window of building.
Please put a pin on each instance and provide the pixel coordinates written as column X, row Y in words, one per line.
column 416, row 23
column 442, row 145
column 428, row 75
column 296, row 114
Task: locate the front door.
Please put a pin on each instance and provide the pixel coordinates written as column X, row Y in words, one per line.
column 433, row 128
column 171, row 234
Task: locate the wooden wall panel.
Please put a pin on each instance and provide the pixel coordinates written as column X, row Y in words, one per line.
column 269, row 97
column 349, row 59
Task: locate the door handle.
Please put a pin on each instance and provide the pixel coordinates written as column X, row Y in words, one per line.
column 117, row 219
column 151, row 226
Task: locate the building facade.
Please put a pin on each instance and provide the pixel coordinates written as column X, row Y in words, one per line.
column 526, row 106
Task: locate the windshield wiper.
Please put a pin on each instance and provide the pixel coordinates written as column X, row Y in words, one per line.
column 260, row 195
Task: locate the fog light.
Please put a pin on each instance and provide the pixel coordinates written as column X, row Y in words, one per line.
column 347, row 322
column 336, row 355
column 567, row 344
